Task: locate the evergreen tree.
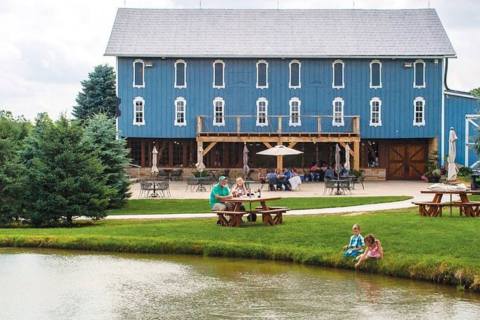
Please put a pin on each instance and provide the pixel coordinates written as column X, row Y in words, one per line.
column 97, row 94
column 65, row 179
column 476, row 92
column 100, row 135
column 13, row 132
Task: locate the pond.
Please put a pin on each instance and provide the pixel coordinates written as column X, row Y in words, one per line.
column 48, row 284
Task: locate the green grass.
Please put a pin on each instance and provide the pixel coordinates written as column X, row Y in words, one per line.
column 440, row 250
column 157, row 206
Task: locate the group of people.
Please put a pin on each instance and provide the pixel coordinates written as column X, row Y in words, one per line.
column 361, row 248
column 324, row 172
column 278, row 180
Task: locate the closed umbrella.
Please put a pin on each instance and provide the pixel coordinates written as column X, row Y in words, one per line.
column 337, row 159
column 347, row 157
column 279, row 151
column 199, row 165
column 452, row 153
column 154, row 160
column 246, row 168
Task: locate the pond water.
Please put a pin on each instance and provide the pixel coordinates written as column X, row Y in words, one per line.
column 77, row 285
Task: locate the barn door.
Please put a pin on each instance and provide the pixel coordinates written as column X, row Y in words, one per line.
column 406, row 161
column 472, row 126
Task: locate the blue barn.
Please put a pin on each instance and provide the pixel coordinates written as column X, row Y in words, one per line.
column 213, row 80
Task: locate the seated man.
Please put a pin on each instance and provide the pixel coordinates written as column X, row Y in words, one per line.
column 329, row 174
column 220, row 192
column 271, row 179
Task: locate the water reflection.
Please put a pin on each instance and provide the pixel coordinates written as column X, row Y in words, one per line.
column 65, row 285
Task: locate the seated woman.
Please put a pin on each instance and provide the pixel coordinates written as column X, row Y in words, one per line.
column 239, row 189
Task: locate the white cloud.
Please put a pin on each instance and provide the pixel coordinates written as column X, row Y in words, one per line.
column 49, row 46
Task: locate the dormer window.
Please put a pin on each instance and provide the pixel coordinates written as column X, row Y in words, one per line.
column 218, row 74
column 262, row 74
column 180, row 74
column 419, row 74
column 138, row 74
column 294, row 80
column 338, row 74
column 375, row 74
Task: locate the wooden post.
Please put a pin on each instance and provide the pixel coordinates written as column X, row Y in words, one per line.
column 199, row 151
column 356, row 155
column 280, row 163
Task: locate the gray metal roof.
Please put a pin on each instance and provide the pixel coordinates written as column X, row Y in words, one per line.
column 278, row 33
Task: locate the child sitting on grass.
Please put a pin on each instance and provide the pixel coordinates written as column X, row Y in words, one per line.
column 356, row 244
column 374, row 250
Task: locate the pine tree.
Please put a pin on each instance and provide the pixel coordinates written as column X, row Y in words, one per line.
column 65, row 179
column 100, row 134
column 13, row 132
column 476, row 92
column 97, row 94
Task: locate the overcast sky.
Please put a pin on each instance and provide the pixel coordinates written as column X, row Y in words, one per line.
column 49, row 46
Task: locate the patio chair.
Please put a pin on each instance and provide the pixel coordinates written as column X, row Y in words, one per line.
column 329, row 186
column 192, row 183
column 164, row 188
column 145, row 188
column 345, row 185
column 162, row 174
column 176, row 175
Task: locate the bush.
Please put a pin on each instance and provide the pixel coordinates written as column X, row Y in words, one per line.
column 464, row 172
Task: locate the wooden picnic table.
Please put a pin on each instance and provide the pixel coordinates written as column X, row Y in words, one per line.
column 270, row 215
column 434, row 208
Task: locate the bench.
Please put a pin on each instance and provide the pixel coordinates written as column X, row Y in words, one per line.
column 434, row 209
column 234, row 218
column 272, row 215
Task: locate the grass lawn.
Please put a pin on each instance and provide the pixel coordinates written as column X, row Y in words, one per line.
column 155, row 206
column 435, row 249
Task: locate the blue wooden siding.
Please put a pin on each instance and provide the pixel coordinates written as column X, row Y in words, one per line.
column 316, row 94
column 456, row 108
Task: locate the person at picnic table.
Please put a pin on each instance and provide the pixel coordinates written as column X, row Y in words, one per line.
column 373, row 250
column 239, row 189
column 355, row 246
column 220, row 192
column 271, row 179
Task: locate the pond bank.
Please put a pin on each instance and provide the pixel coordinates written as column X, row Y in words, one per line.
column 415, row 247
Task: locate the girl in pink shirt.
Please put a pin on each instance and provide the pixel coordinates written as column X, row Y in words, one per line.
column 373, row 250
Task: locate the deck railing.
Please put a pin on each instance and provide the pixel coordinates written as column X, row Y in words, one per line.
column 308, row 124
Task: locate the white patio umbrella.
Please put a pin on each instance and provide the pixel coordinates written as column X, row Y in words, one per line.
column 337, row 159
column 246, row 168
column 279, row 150
column 347, row 157
column 452, row 153
column 199, row 165
column 154, row 160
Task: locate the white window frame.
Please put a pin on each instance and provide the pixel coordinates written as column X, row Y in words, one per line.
column 266, row 75
column 223, row 74
column 415, row 123
column 215, row 123
column 333, row 74
column 379, row 123
column 290, row 122
column 299, row 74
column 379, row 76
column 259, row 100
column 143, row 73
column 335, row 123
column 184, row 123
column 135, row 100
column 424, row 85
column 184, row 74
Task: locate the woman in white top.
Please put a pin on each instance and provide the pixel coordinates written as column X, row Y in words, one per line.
column 239, row 188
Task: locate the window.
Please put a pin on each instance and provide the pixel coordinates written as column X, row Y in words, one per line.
column 375, row 112
column 138, row 74
column 218, row 74
column 338, row 74
column 375, row 74
column 218, row 112
column 180, row 111
column 262, row 74
column 419, row 111
column 295, row 120
column 262, row 112
column 294, row 82
column 180, row 74
column 419, row 74
column 337, row 119
column 138, row 111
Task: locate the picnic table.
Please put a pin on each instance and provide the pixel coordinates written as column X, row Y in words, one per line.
column 270, row 215
column 434, row 208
